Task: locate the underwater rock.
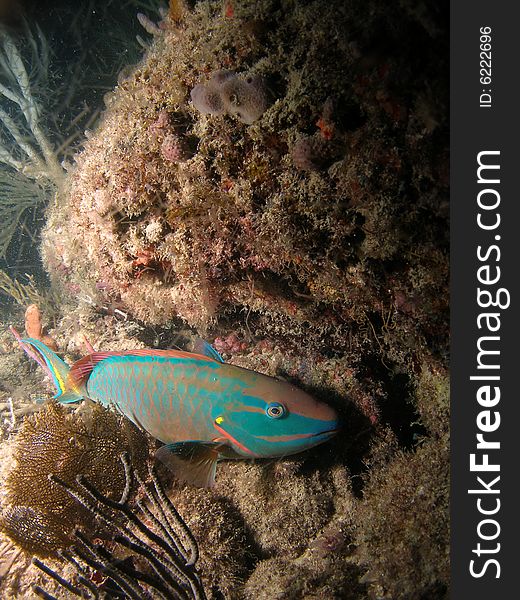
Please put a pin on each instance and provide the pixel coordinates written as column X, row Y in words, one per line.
column 403, row 529
column 240, row 228
column 403, row 534
column 282, row 579
column 313, row 153
column 226, row 551
column 325, row 566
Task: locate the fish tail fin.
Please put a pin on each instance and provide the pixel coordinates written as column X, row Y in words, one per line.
column 58, row 370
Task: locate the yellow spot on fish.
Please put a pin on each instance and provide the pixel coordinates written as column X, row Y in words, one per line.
column 219, row 420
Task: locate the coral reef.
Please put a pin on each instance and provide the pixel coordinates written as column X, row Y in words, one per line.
column 39, row 515
column 313, row 153
column 403, row 520
column 402, row 541
column 358, row 226
column 393, row 542
column 167, row 552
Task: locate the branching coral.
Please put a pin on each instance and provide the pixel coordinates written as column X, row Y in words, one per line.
column 46, row 105
column 18, row 194
column 30, row 168
column 36, row 157
column 166, row 553
column 37, row 514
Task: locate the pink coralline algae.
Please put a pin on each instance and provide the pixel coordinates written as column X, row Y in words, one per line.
column 316, row 152
column 173, row 148
column 309, row 153
column 230, row 344
column 246, row 98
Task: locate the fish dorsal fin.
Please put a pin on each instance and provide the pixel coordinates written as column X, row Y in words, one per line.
column 202, row 347
column 193, row 462
column 81, row 369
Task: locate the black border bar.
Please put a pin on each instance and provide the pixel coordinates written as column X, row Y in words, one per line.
column 485, row 270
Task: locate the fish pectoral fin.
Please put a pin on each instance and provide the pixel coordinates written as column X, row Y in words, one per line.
column 192, row 462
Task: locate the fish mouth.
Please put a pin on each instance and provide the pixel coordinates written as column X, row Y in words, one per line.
column 325, row 435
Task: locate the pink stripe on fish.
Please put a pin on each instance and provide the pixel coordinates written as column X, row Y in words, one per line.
column 233, row 440
column 285, row 438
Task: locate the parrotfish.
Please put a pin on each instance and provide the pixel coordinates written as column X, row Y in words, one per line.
column 200, row 407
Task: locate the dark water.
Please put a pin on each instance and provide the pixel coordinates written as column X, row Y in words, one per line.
column 88, row 43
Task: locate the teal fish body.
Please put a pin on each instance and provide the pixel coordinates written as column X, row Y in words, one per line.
column 200, row 407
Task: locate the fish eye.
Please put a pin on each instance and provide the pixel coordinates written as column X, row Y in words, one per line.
column 275, row 410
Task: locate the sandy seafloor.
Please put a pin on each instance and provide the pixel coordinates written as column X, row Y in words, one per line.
column 309, row 244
